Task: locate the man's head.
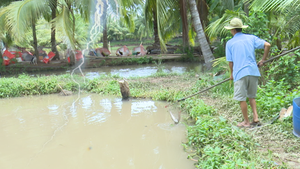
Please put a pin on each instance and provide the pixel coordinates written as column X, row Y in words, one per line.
column 235, row 25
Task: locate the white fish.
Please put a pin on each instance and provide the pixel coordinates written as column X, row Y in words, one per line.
column 174, row 119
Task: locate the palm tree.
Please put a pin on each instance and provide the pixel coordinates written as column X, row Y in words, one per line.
column 104, row 18
column 158, row 15
column 205, row 48
column 275, row 5
column 53, row 6
column 22, row 15
column 184, row 19
column 116, row 29
column 161, row 16
column 287, row 14
column 216, row 28
column 141, row 30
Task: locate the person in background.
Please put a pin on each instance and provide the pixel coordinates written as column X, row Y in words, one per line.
column 240, row 53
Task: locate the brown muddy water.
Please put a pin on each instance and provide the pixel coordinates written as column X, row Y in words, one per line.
column 127, row 71
column 55, row 132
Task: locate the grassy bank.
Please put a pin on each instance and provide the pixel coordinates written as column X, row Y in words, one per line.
column 214, row 141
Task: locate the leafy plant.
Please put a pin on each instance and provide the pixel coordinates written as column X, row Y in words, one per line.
column 217, row 144
column 286, row 67
column 274, row 96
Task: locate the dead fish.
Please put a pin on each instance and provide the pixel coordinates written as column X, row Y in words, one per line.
column 174, row 119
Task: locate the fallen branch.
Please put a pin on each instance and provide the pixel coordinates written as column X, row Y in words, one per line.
column 62, row 89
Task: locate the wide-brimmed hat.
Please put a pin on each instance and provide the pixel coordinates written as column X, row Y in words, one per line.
column 235, row 23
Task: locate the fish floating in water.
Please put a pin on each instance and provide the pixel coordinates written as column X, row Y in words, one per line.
column 174, row 119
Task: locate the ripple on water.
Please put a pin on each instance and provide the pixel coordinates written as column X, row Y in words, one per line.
column 94, row 133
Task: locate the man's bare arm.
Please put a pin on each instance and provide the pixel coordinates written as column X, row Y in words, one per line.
column 267, row 46
column 231, row 70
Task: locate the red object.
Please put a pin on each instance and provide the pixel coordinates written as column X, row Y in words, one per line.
column 16, row 54
column 102, row 51
column 140, row 51
column 49, row 57
column 5, row 60
column 123, row 51
column 78, row 55
column 8, row 56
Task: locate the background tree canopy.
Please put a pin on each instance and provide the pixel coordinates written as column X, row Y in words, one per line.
column 73, row 23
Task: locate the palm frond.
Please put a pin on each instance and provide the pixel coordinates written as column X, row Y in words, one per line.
column 217, row 27
column 20, row 14
column 276, row 5
column 222, row 63
column 63, row 24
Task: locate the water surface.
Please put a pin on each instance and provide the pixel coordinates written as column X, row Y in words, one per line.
column 95, row 132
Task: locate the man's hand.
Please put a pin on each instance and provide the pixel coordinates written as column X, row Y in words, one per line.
column 231, row 77
column 261, row 63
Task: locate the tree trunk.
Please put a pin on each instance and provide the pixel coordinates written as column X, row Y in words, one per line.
column 185, row 28
column 124, row 88
column 72, row 57
column 246, row 8
column 278, row 43
column 35, row 45
column 105, row 41
column 53, row 40
column 203, row 12
column 155, row 27
column 205, row 48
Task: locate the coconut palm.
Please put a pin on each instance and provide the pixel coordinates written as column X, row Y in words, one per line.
column 287, row 14
column 116, row 29
column 159, row 15
column 141, row 30
column 104, row 18
column 21, row 16
column 216, row 28
column 184, row 19
column 275, row 5
column 205, row 48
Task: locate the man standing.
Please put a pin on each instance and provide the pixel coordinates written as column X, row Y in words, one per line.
column 240, row 53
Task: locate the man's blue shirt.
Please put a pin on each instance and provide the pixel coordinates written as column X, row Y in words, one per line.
column 241, row 51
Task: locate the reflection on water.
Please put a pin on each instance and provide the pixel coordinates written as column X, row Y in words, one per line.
column 143, row 106
column 48, row 132
column 142, row 70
